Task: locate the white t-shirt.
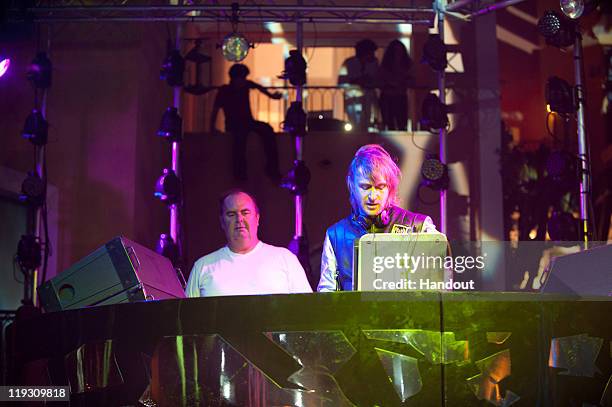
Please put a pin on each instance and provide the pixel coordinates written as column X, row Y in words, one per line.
column 266, row 269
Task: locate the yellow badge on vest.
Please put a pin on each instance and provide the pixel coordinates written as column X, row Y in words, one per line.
column 401, row 229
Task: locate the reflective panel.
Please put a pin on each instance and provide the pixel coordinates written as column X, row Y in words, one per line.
column 606, row 397
column 437, row 347
column 497, row 367
column 498, row 337
column 205, row 370
column 576, row 354
column 485, row 385
column 327, row 349
column 321, row 353
column 92, row 366
column 323, row 389
column 197, row 370
column 403, row 372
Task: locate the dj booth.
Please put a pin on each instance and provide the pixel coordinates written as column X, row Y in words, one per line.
column 326, row 349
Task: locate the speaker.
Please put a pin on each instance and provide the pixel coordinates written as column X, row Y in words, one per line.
column 587, row 273
column 120, row 271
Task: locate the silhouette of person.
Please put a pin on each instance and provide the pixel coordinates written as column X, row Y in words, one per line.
column 234, row 100
column 394, row 80
column 358, row 76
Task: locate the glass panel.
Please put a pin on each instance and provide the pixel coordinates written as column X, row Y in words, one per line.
column 403, row 371
column 92, row 366
column 436, row 347
column 576, row 354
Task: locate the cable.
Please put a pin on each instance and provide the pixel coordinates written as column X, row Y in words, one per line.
column 417, row 146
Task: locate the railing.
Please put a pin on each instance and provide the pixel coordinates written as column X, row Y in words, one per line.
column 319, row 102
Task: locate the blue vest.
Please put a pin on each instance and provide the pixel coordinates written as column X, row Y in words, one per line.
column 343, row 234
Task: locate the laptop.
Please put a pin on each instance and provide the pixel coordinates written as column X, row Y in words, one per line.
column 399, row 262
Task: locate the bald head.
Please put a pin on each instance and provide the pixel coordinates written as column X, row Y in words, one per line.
column 240, row 221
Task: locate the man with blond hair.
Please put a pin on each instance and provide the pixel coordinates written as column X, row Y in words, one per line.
column 373, row 179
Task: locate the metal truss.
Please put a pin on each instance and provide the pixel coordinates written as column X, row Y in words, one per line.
column 97, row 11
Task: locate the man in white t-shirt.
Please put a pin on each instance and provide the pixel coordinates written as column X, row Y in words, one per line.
column 246, row 265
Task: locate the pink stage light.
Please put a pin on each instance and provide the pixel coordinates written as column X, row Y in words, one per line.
column 4, row 66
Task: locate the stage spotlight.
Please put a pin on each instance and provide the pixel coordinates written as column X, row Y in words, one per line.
column 235, row 47
column 297, row 179
column 435, row 173
column 173, row 67
column 295, row 120
column 434, row 53
column 167, row 248
column 171, row 126
column 557, row 31
column 433, row 113
column 295, row 68
column 348, row 127
column 168, row 187
column 563, row 227
column 560, row 96
column 194, row 55
column 29, row 253
column 572, row 8
column 33, row 190
column 39, row 71
column 36, row 128
column 5, row 63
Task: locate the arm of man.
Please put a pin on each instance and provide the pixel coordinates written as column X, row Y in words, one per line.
column 275, row 95
column 329, row 267
column 193, row 284
column 298, row 283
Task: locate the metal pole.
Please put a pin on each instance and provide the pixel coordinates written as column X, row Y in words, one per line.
column 41, row 152
column 299, row 139
column 585, row 170
column 458, row 4
column 496, row 6
column 175, row 222
column 442, row 134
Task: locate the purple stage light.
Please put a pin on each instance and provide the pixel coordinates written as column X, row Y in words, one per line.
column 4, row 66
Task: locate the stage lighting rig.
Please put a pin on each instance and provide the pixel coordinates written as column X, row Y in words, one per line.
column 575, row 9
column 558, row 31
column 168, row 187
column 171, row 126
column 295, row 120
column 33, row 190
column 167, row 248
column 297, row 179
column 29, row 253
column 36, row 128
column 195, row 57
column 39, row 71
column 434, row 53
column 560, row 96
column 435, row 173
column 295, row 69
column 433, row 113
column 173, row 67
column 5, row 63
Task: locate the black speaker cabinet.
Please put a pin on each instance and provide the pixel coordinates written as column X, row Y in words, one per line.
column 586, row 273
column 120, row 271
